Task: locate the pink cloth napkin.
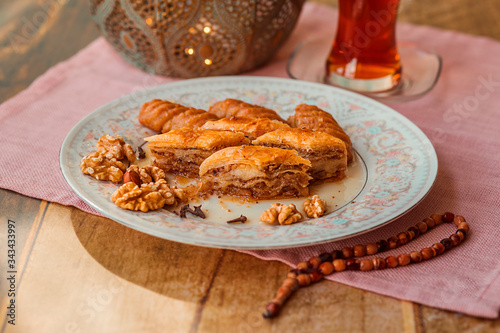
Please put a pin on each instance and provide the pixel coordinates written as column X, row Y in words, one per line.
column 460, row 116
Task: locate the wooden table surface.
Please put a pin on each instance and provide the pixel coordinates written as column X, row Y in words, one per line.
column 81, row 273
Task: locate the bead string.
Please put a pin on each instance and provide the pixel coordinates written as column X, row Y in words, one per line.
column 317, row 267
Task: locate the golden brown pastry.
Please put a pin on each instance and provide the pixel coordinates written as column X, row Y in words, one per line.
column 182, row 150
column 251, row 127
column 162, row 116
column 255, row 172
column 234, row 107
column 313, row 118
column 327, row 154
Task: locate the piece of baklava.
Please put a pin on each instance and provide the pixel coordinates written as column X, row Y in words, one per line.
column 327, row 154
column 255, row 172
column 234, row 107
column 313, row 118
column 251, row 127
column 162, row 116
column 182, row 150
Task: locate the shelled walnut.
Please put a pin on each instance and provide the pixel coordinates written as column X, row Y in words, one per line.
column 315, row 207
column 105, row 164
column 113, row 146
column 284, row 214
column 101, row 168
column 148, row 173
column 147, row 197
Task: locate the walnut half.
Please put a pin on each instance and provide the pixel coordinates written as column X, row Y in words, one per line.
column 147, row 197
column 284, row 214
column 101, row 168
column 148, row 173
column 315, row 207
column 113, row 146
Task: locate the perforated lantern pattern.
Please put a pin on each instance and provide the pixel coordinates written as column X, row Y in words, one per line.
column 190, row 38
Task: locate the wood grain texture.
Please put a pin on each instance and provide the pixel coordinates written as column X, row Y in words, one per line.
column 89, row 274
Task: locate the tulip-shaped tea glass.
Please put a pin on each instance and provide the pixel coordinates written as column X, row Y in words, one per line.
column 365, row 57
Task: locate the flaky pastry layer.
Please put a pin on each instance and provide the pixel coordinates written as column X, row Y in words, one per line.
column 255, row 172
column 162, row 116
column 251, row 127
column 234, row 107
column 313, row 118
column 198, row 138
column 255, row 158
column 327, row 154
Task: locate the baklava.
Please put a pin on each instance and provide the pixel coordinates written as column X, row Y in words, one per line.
column 251, row 127
column 313, row 118
column 234, row 107
column 182, row 150
column 255, row 172
column 327, row 154
column 162, row 116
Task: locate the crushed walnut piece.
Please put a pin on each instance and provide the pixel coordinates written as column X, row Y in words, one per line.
column 148, row 173
column 147, row 197
column 113, row 146
column 315, row 207
column 101, row 168
column 284, row 214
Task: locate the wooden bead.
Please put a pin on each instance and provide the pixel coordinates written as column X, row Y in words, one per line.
column 460, row 233
column 430, row 222
column 325, row 257
column 391, row 262
column 336, row 254
column 403, row 238
column 339, row 265
column 455, row 239
column 416, row 256
column 303, row 266
column 458, row 219
column 352, row 264
column 282, row 294
column 382, row 245
column 347, row 252
column 463, row 225
column 304, row 280
column 410, row 234
column 448, row 244
column 371, row 248
column 438, row 218
column 448, row 217
column 378, row 263
column 428, row 253
column 404, row 259
column 415, row 231
column 272, row 310
column 393, row 242
column 292, row 274
column 359, row 250
column 439, row 248
column 366, row 265
column 315, row 276
column 315, row 262
column 326, row 268
column 280, row 300
column 422, row 227
column 290, row 283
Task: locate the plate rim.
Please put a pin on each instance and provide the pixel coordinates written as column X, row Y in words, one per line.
column 210, row 243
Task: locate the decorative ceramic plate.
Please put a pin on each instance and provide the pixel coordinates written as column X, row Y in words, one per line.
column 394, row 169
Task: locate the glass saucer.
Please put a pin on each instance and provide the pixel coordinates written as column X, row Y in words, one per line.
column 421, row 69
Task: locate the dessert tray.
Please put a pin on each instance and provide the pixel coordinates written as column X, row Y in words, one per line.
column 394, row 169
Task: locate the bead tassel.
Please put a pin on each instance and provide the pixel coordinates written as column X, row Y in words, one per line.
column 313, row 270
